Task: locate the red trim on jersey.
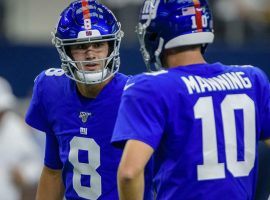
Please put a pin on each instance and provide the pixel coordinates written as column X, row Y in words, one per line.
column 198, row 15
column 85, row 9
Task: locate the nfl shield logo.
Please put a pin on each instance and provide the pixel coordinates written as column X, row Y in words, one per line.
column 84, row 116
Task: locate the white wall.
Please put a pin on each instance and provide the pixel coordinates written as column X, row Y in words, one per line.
column 31, row 21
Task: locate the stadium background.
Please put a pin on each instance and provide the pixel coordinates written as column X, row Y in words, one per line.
column 242, row 29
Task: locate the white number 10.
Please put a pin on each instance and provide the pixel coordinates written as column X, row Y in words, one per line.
column 204, row 22
column 204, row 110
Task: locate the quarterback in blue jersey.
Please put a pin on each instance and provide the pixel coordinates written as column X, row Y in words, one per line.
column 202, row 122
column 76, row 106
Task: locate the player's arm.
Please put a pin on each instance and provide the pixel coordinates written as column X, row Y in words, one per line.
column 130, row 176
column 50, row 185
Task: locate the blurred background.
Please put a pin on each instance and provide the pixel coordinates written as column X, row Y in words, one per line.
column 242, row 29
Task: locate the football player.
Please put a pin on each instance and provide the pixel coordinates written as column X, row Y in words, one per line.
column 76, row 106
column 202, row 121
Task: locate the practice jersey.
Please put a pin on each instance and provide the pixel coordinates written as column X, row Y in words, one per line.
column 204, row 122
column 78, row 133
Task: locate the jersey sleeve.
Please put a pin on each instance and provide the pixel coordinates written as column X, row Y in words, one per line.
column 52, row 159
column 36, row 114
column 263, row 99
column 265, row 134
column 141, row 114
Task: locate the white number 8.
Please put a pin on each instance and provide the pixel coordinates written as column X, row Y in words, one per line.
column 93, row 149
column 54, row 72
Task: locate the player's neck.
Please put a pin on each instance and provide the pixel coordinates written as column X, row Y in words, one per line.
column 183, row 58
column 91, row 91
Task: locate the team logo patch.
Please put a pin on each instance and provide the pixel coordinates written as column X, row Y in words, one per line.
column 149, row 9
column 88, row 33
column 83, row 131
column 84, row 116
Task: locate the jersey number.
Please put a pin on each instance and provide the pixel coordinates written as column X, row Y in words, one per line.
column 204, row 110
column 204, row 22
column 93, row 150
column 54, row 72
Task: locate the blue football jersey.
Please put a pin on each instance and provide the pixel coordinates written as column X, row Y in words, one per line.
column 204, row 122
column 80, row 129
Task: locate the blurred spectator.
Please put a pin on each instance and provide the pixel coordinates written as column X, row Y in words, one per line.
column 255, row 15
column 20, row 160
column 121, row 3
column 2, row 17
column 237, row 20
column 242, row 20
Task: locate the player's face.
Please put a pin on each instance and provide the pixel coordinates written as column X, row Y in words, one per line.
column 93, row 53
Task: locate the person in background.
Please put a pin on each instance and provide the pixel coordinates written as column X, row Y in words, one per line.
column 76, row 106
column 19, row 154
column 242, row 20
column 202, row 122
